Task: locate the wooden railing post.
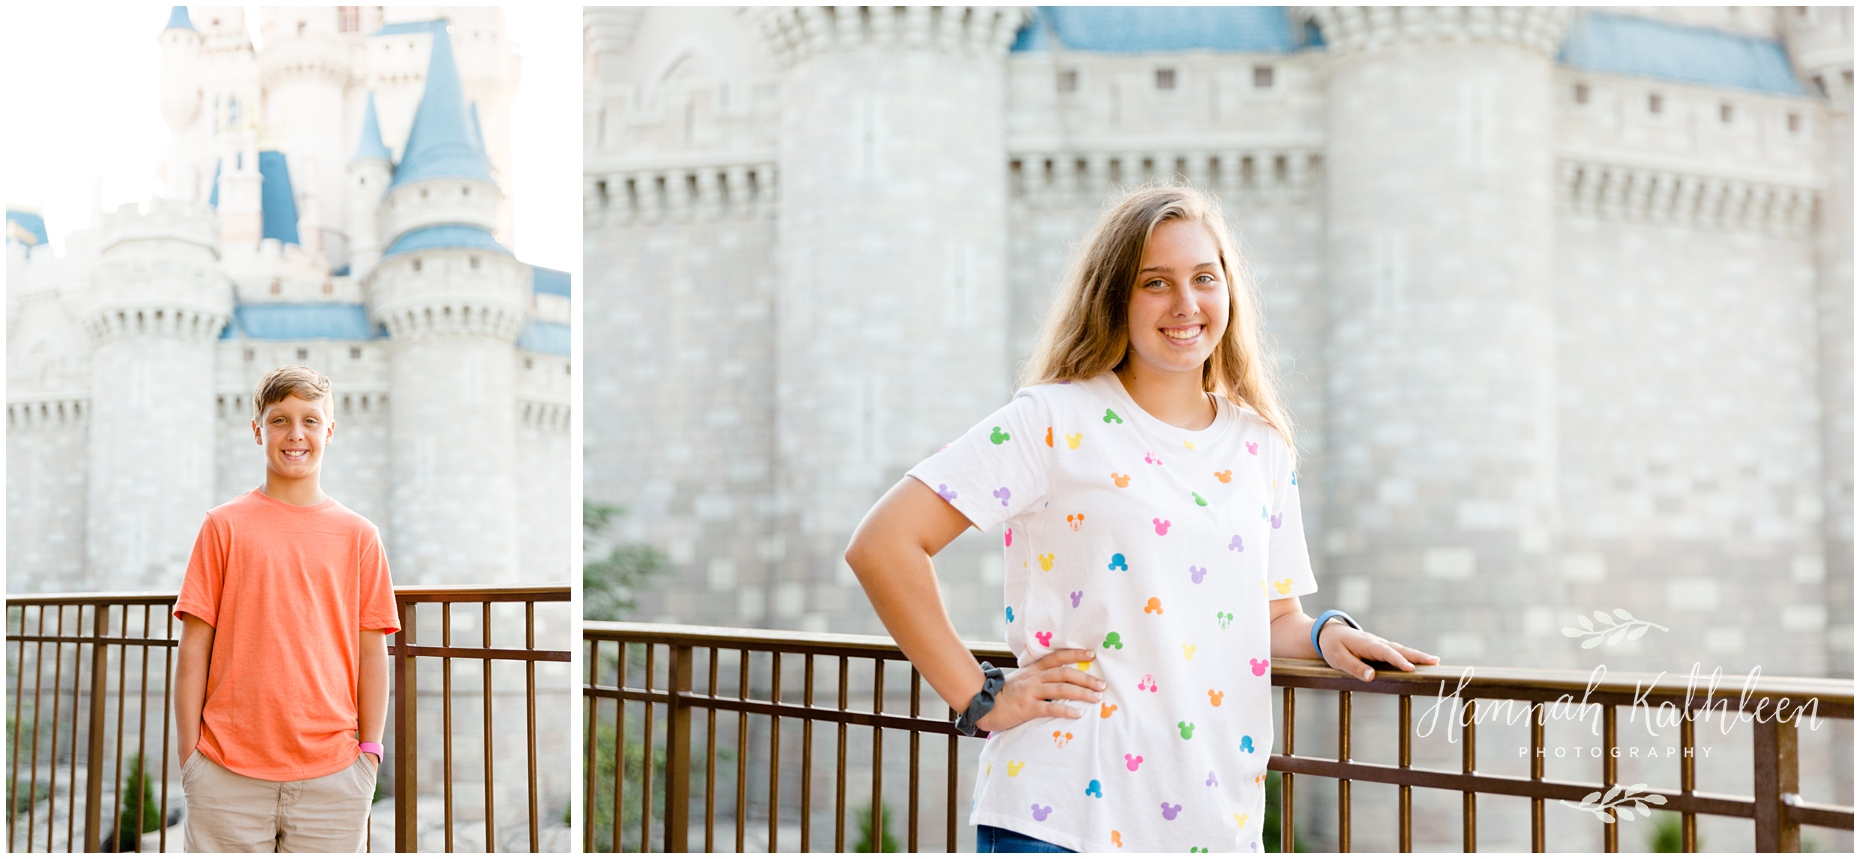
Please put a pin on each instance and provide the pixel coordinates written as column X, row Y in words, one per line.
column 1776, row 780
column 93, row 764
column 678, row 752
column 406, row 742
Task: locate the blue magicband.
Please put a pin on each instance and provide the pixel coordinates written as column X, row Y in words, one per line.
column 1324, row 618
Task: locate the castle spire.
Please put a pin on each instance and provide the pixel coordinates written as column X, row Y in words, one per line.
column 178, row 20
column 370, row 147
column 441, row 144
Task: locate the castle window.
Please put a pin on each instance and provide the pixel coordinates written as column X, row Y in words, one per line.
column 1724, row 112
column 465, row 190
column 1262, row 77
column 416, row 265
column 422, row 193
column 1821, row 85
column 529, row 363
column 277, row 288
column 300, row 29
column 474, row 262
column 249, row 355
column 303, row 354
column 1795, row 123
column 1069, row 80
column 1165, row 78
column 329, row 287
column 355, row 353
column 1655, row 104
column 348, row 18
column 1582, row 93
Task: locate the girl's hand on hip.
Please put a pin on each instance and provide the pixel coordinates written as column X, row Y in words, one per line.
column 1346, row 650
column 1040, row 689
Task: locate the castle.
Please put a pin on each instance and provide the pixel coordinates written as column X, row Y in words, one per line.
column 336, row 200
column 1562, row 299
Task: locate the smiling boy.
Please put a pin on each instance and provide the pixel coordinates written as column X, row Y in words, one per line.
column 281, row 689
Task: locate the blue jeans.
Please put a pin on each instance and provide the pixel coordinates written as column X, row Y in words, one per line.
column 993, row 839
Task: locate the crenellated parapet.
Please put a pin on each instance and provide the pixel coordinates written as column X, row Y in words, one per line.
column 313, row 55
column 451, row 292
column 607, row 31
column 1352, row 29
column 432, row 202
column 1821, row 46
column 158, row 277
column 731, row 191
column 795, row 33
column 47, row 412
column 1622, row 193
column 1255, row 174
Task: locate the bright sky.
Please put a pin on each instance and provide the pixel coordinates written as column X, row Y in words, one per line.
column 83, row 117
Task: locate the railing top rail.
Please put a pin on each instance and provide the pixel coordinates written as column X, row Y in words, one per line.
column 548, row 592
column 1835, row 696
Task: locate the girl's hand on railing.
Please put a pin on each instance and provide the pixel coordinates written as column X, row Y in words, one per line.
column 1346, row 649
column 1038, row 690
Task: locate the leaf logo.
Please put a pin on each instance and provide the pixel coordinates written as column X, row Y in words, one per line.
column 1613, row 631
column 1617, row 801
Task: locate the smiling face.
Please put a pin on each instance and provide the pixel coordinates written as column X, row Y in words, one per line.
column 1179, row 304
column 294, row 432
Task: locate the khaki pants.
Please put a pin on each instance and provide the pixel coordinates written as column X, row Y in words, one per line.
column 231, row 813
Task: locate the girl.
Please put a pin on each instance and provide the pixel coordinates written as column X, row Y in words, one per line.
column 1155, row 555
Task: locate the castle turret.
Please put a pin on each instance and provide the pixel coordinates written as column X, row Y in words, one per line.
column 305, row 72
column 152, row 311
column 180, row 99
column 238, row 195
column 371, row 168
column 453, row 301
column 1442, row 410
column 894, row 297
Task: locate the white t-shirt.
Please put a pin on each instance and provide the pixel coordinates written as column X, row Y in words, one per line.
column 1159, row 547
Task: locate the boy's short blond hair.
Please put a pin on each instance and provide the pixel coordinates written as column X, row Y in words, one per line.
column 301, row 382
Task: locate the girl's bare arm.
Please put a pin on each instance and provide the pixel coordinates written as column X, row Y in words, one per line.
column 1344, row 648
column 890, row 553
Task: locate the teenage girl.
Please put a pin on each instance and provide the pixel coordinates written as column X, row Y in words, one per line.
column 1154, row 555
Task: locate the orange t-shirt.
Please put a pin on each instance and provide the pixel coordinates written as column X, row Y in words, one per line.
column 287, row 590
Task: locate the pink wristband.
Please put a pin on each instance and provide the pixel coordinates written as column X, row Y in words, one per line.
column 374, row 749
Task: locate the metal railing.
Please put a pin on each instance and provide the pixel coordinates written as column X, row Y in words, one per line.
column 683, row 683
column 109, row 652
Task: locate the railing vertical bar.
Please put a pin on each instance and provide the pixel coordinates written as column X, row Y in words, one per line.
column 142, row 732
column 1286, row 835
column 167, row 710
column 1611, row 836
column 490, row 810
column 774, row 753
column 1469, row 801
column 445, row 711
column 645, row 759
column 916, row 742
column 1537, row 775
column 122, row 694
column 878, row 756
column 99, row 698
column 742, row 751
column 807, row 757
column 949, row 787
column 1405, row 793
column 620, row 746
column 529, row 700
column 1775, row 780
column 839, row 798
column 591, row 747
column 77, row 671
column 1343, row 784
column 19, row 696
column 406, row 736
column 710, row 758
column 677, row 751
column 1688, row 782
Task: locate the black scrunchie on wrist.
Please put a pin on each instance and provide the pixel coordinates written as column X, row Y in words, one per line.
column 984, row 701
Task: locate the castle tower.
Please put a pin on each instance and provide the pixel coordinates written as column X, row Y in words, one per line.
column 371, row 168
column 453, row 301
column 1442, row 411
column 239, row 197
column 305, row 72
column 891, row 116
column 180, row 101
column 152, row 312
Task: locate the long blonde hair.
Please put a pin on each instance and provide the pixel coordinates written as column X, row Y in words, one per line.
column 1087, row 332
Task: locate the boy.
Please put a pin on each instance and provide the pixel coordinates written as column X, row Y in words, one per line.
column 281, row 691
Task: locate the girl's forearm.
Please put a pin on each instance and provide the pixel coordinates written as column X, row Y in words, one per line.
column 1291, row 632
column 901, row 583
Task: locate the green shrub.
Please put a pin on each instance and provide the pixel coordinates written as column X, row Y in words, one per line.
column 887, row 842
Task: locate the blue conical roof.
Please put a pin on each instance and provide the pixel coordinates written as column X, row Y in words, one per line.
column 477, row 132
column 441, row 144
column 370, row 147
column 178, row 20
